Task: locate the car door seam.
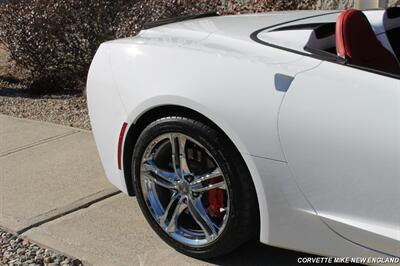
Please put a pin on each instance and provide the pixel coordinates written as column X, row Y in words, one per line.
column 292, row 174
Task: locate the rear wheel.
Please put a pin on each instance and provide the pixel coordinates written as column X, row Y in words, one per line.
column 193, row 188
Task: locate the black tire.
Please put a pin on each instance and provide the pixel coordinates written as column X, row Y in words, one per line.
column 243, row 219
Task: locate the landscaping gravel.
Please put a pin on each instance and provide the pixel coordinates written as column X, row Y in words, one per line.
column 66, row 109
column 16, row 251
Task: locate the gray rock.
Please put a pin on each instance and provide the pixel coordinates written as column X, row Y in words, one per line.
column 25, row 243
column 47, row 260
column 20, row 251
column 66, row 262
column 47, row 252
column 76, row 262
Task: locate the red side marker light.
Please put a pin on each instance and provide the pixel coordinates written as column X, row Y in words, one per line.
column 120, row 142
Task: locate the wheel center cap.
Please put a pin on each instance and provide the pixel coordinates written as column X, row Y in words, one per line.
column 183, row 187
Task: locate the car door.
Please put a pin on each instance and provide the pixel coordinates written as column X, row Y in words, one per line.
column 340, row 132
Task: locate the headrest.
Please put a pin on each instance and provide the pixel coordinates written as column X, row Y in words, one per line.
column 354, row 34
column 357, row 42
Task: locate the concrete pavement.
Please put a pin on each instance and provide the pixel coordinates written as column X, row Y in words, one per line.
column 114, row 232
column 45, row 170
column 54, row 192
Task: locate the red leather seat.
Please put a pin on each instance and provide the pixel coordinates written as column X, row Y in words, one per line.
column 356, row 42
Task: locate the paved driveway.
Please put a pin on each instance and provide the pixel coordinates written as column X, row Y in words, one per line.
column 54, row 192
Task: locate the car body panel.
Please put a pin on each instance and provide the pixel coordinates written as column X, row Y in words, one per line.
column 221, row 80
column 107, row 114
column 346, row 156
column 292, row 222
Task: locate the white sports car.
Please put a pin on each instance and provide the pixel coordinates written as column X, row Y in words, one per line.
column 282, row 126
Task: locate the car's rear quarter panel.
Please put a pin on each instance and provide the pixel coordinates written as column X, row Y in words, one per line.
column 232, row 85
column 107, row 114
column 234, row 89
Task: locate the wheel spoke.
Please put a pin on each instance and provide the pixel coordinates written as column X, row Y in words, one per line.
column 178, row 144
column 173, row 221
column 201, row 217
column 163, row 218
column 197, row 185
column 201, row 178
column 220, row 185
column 158, row 176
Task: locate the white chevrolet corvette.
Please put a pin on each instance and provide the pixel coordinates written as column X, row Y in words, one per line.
column 281, row 126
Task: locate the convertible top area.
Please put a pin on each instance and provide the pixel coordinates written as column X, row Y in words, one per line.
column 363, row 49
column 316, row 32
column 368, row 39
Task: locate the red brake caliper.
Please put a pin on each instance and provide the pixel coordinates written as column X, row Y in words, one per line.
column 216, row 198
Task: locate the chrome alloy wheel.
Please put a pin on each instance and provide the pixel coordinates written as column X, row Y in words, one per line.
column 184, row 189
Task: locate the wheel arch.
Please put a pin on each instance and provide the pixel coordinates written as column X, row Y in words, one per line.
column 150, row 115
column 157, row 112
column 136, row 128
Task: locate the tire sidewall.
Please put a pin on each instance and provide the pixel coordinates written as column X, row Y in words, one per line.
column 219, row 149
